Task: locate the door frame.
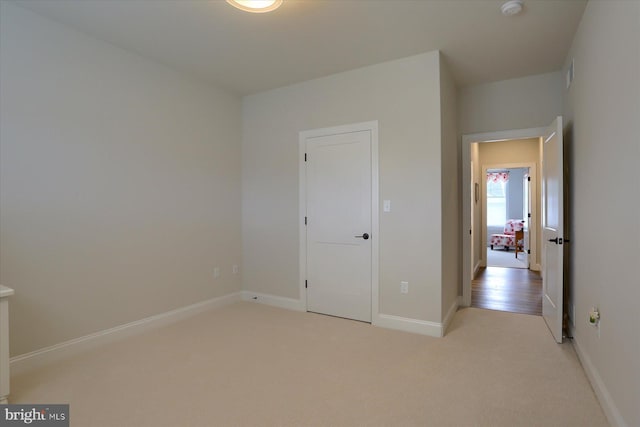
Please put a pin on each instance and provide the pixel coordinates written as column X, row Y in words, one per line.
column 532, row 222
column 467, row 140
column 372, row 127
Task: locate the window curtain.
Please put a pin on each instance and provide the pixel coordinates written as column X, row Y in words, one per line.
column 497, row 177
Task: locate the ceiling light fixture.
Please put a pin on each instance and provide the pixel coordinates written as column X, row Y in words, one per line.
column 511, row 7
column 256, row 6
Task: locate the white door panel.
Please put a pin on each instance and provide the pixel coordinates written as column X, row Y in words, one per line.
column 338, row 178
column 552, row 229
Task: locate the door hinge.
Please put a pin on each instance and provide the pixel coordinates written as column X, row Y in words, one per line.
column 529, row 251
column 305, row 220
column 469, row 231
column 305, row 284
column 529, row 178
column 305, row 157
column 529, row 215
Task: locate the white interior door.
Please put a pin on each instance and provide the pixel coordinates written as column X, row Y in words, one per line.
column 339, row 224
column 552, row 228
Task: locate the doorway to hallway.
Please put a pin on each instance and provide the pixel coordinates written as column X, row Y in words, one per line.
column 549, row 157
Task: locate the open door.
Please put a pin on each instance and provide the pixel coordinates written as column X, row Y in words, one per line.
column 552, row 228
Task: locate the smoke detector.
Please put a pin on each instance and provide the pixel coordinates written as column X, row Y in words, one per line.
column 512, row 7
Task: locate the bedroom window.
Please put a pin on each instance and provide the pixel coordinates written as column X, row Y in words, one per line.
column 497, row 183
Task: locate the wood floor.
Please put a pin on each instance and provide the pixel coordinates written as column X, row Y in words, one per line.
column 517, row 290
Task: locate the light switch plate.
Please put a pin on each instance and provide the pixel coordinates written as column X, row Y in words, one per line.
column 387, row 206
column 404, row 287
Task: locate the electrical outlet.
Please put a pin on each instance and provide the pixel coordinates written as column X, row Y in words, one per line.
column 594, row 317
column 404, row 287
column 235, row 269
column 216, row 272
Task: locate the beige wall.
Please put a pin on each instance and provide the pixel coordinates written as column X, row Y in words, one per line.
column 522, row 103
column 510, row 152
column 403, row 96
column 602, row 109
column 120, row 184
column 451, row 198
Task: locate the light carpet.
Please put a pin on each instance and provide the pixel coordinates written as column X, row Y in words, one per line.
column 507, row 259
column 254, row 365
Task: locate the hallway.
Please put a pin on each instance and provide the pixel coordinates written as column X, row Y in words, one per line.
column 508, row 289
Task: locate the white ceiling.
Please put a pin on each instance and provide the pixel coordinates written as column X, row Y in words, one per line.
column 306, row 39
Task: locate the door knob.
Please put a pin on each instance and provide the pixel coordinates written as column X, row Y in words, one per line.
column 365, row 236
column 554, row 240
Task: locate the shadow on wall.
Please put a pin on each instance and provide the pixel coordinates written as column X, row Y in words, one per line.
column 568, row 148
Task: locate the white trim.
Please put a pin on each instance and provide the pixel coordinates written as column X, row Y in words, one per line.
column 372, row 127
column 302, row 213
column 549, row 137
column 405, row 324
column 5, row 369
column 387, row 321
column 28, row 361
column 475, row 271
column 274, row 300
column 467, row 140
column 375, row 221
column 450, row 315
column 536, row 267
column 604, row 397
column 5, row 292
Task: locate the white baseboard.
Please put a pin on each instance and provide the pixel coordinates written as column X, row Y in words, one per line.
column 273, row 300
column 535, row 267
column 405, row 324
column 28, row 361
column 476, row 268
column 416, row 326
column 450, row 314
column 606, row 401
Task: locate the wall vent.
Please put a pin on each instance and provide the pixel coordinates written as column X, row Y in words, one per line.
column 570, row 73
